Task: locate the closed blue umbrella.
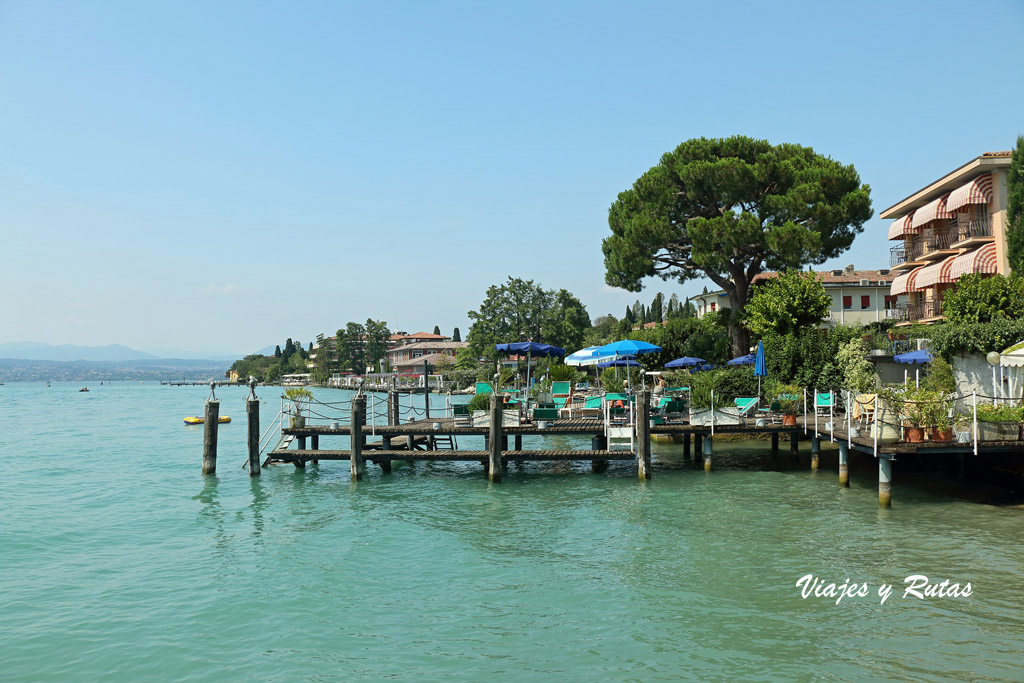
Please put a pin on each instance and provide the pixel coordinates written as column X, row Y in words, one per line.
column 760, row 367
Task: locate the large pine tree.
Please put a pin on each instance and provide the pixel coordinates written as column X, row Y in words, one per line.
column 1015, row 209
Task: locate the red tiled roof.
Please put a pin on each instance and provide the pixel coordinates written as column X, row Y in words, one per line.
column 829, row 277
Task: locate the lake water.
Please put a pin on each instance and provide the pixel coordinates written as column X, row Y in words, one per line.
column 119, row 560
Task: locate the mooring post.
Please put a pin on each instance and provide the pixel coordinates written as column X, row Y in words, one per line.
column 495, row 440
column 519, row 442
column 686, row 446
column 598, row 443
column 815, row 451
column 210, row 437
column 708, row 451
column 356, row 462
column 884, row 481
column 794, row 439
column 775, row 443
column 393, row 414
column 426, row 391
column 252, row 414
column 844, row 464
column 643, row 435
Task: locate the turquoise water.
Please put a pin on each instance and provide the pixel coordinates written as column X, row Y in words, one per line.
column 119, row 560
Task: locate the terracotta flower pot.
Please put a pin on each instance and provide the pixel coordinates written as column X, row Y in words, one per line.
column 942, row 435
column 789, row 420
column 915, row 434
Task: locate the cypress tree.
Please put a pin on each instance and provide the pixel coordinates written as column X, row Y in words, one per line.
column 1015, row 209
column 277, row 351
column 437, row 330
column 456, row 335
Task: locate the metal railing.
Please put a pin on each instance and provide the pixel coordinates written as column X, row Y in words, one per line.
column 978, row 226
column 939, row 240
column 897, row 255
column 925, row 309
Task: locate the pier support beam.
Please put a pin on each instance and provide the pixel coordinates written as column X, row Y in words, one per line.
column 519, row 442
column 775, row 443
column 252, row 415
column 686, row 446
column 356, row 462
column 794, row 439
column 698, row 442
column 598, row 443
column 210, row 437
column 815, row 451
column 708, row 449
column 494, row 441
column 884, row 482
column 844, row 465
column 643, row 435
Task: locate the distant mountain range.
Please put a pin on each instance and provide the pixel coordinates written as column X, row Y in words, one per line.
column 111, row 352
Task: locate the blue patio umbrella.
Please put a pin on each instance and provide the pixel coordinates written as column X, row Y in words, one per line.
column 626, row 347
column 619, row 363
column 919, row 357
column 760, row 367
column 685, row 362
column 748, row 359
column 530, row 348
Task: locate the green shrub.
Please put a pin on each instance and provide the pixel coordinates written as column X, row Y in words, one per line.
column 480, row 402
column 988, row 412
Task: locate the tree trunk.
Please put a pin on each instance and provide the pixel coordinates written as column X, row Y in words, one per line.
column 739, row 336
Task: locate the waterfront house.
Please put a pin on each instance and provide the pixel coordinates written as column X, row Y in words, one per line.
column 952, row 227
column 414, row 353
column 858, row 296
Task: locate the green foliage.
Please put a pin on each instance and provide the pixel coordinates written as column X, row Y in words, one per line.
column 611, row 383
column 298, row 394
column 437, row 330
column 788, row 397
column 480, row 402
column 940, row 376
column 787, row 303
column 999, row 413
column 729, row 208
column 949, row 339
column 705, row 387
column 521, row 310
column 857, row 371
column 735, row 382
column 349, row 341
column 456, row 335
column 560, row 372
column 1015, row 209
column 375, row 342
column 983, row 298
column 809, row 357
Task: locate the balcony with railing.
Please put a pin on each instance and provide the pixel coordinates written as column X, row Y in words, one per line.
column 898, row 312
column 897, row 256
column 937, row 243
column 923, row 310
column 974, row 229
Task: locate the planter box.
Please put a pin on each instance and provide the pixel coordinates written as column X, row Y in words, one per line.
column 998, row 431
column 723, row 416
column 482, row 418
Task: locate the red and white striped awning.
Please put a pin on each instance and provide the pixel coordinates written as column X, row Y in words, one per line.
column 904, row 283
column 902, row 226
column 981, row 260
column 935, row 274
column 933, row 210
column 978, row 191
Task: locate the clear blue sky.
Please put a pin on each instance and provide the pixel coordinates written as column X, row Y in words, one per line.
column 217, row 176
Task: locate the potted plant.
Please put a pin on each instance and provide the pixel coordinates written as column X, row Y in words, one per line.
column 917, row 408
column 999, row 422
column 297, row 395
column 789, row 399
column 886, row 424
column 939, row 418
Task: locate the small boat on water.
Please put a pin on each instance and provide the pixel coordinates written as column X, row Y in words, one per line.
column 199, row 420
column 84, row 389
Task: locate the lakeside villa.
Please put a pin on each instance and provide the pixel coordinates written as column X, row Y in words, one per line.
column 947, row 229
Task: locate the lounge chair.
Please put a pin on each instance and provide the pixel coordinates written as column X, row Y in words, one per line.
column 561, row 393
column 746, row 405
column 824, row 403
column 591, row 407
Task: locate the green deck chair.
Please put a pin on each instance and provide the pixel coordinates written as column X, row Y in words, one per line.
column 746, row 404
column 561, row 393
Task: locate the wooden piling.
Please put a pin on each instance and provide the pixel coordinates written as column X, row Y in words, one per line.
column 252, row 415
column 844, row 464
column 426, row 391
column 599, row 443
column 686, row 446
column 210, row 437
column 794, row 449
column 643, row 436
column 494, row 441
column 519, row 442
column 815, row 451
column 884, row 481
column 708, row 451
column 698, row 443
column 775, row 443
column 356, row 462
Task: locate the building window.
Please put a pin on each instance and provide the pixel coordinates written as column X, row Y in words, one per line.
column 865, row 302
column 890, row 302
column 417, row 354
column 712, row 305
column 847, row 303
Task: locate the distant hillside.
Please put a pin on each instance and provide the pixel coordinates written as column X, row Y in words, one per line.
column 70, row 352
column 21, row 370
